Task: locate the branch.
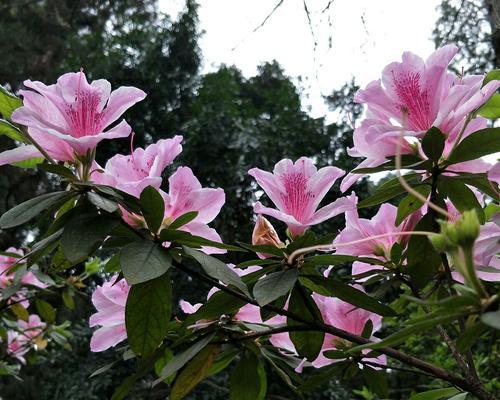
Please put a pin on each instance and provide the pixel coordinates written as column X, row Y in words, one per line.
column 440, row 373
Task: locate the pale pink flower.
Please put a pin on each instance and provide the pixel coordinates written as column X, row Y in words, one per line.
column 133, row 173
column 382, row 223
column 70, row 117
column 297, row 190
column 20, row 342
column 347, row 317
column 265, row 234
column 109, row 300
column 414, row 95
column 494, row 174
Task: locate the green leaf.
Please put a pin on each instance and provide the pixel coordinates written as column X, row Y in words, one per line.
column 45, row 310
column 147, row 314
column 460, row 195
column 435, row 394
column 274, row 285
column 479, row 181
column 7, row 129
column 492, row 319
column 470, row 336
column 382, row 195
column 83, row 235
column 376, row 381
column 8, row 102
column 20, row 312
column 422, row 269
column 346, row 293
column 186, row 238
column 194, row 372
column 153, row 208
column 410, row 204
column 218, row 304
column 433, row 144
column 307, row 344
column 183, row 220
column 217, row 269
column 29, row 163
column 102, row 202
column 28, row 210
column 181, row 359
column 113, row 264
column 493, row 75
column 144, row 260
column 248, row 379
column 479, row 144
column 58, row 169
column 338, row 259
column 490, row 109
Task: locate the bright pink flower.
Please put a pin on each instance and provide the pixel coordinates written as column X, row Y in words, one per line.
column 345, row 316
column 133, row 173
column 414, row 96
column 297, row 190
column 109, row 300
column 70, row 117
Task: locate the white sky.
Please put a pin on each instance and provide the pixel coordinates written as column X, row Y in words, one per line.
column 365, row 36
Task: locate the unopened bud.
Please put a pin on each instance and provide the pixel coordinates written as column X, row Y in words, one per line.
column 464, row 231
column 265, row 234
column 441, row 243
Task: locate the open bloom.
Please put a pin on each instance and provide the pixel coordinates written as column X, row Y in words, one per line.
column 133, row 173
column 345, row 316
column 412, row 96
column 70, row 117
column 19, row 342
column 384, row 222
column 297, row 190
column 109, row 300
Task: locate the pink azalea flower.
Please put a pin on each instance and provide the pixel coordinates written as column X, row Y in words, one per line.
column 133, row 173
column 109, row 300
column 297, row 190
column 20, row 342
column 415, row 95
column 345, row 316
column 383, row 222
column 7, row 273
column 494, row 174
column 32, row 328
column 70, row 117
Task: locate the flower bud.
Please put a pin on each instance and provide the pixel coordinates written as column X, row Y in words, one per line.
column 265, row 234
column 464, row 231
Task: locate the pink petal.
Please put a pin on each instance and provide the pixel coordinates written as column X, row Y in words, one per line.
column 20, row 153
column 107, row 337
column 119, row 101
column 339, row 206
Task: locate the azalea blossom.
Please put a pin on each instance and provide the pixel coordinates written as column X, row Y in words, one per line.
column 109, row 300
column 413, row 96
column 347, row 317
column 19, row 342
column 494, row 174
column 297, row 190
column 134, row 172
column 69, row 118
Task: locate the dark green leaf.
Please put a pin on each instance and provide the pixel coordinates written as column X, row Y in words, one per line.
column 376, row 381
column 347, row 293
column 147, row 314
column 194, row 372
column 479, row 144
column 183, row 219
column 461, row 196
column 470, row 336
column 433, row 144
column 248, row 379
column 83, row 235
column 217, row 269
column 102, row 202
column 422, row 269
column 24, row 212
column 113, row 264
column 181, row 359
column 186, row 238
column 336, row 259
column 153, row 208
column 435, row 394
column 383, row 195
column 58, row 169
column 218, row 304
column 144, row 260
column 274, row 285
column 410, row 203
column 45, row 310
column 307, row 344
column 479, row 181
